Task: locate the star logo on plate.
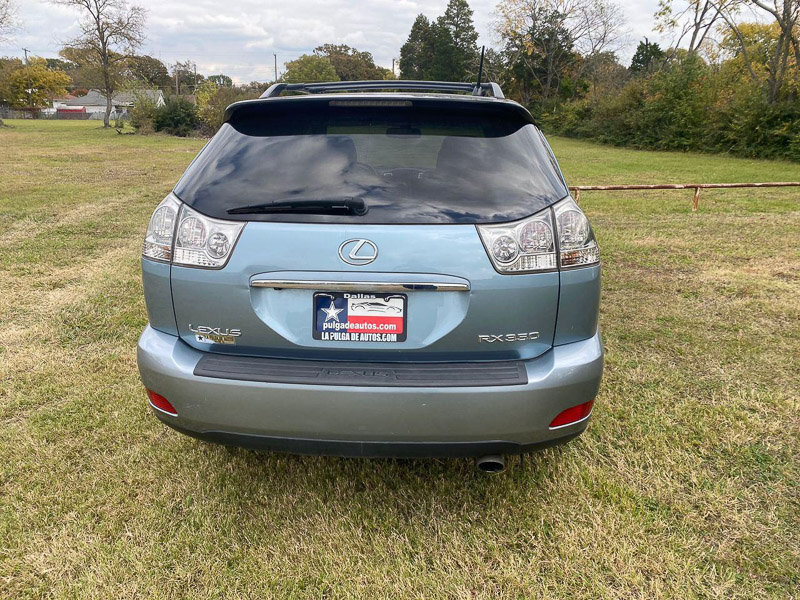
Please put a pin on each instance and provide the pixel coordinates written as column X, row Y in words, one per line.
column 332, row 312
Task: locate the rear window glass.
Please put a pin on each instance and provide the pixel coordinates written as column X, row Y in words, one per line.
column 402, row 164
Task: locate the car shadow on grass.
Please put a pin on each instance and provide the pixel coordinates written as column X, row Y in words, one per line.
column 381, row 487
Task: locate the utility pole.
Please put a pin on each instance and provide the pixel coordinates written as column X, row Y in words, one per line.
column 177, row 85
column 393, row 68
column 28, row 69
column 194, row 64
column 275, row 56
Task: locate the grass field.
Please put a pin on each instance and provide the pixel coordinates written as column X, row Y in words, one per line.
column 686, row 485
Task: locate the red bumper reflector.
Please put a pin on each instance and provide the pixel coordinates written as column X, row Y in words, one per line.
column 158, row 401
column 573, row 414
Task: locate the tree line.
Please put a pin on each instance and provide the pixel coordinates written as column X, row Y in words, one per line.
column 104, row 58
column 728, row 82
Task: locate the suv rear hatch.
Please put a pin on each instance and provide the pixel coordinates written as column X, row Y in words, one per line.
column 360, row 237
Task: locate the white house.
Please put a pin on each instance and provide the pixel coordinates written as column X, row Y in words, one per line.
column 95, row 102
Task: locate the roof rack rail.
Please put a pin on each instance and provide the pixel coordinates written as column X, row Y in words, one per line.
column 483, row 89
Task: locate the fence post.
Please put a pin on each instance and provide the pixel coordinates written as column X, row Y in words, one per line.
column 696, row 200
column 577, row 196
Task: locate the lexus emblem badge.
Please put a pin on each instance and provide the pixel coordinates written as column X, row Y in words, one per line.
column 358, row 252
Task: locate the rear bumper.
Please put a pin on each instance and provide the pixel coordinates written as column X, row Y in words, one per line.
column 373, row 421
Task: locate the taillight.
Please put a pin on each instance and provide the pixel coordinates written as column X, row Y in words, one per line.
column 161, row 230
column 185, row 237
column 576, row 242
column 158, row 402
column 529, row 245
column 201, row 241
column 572, row 415
column 522, row 247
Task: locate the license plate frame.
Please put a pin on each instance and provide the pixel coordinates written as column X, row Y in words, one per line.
column 371, row 317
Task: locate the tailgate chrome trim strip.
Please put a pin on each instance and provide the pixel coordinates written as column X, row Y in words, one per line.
column 324, row 285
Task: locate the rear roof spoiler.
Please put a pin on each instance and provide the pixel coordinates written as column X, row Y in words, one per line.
column 482, row 89
column 279, row 104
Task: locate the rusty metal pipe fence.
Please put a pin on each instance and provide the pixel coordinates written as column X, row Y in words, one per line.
column 577, row 189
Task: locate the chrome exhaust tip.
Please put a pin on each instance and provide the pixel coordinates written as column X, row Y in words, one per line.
column 490, row 463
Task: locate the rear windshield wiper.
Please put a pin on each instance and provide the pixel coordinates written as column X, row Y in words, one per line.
column 320, row 206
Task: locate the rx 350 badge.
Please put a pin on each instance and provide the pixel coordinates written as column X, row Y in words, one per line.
column 509, row 337
column 215, row 335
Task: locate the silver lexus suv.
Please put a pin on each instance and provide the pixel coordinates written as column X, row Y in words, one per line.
column 373, row 269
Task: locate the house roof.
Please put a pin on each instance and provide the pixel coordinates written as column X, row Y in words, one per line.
column 95, row 98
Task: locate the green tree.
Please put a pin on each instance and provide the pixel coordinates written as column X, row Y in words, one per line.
column 7, row 66
column 256, row 88
column 310, row 68
column 57, row 64
column 350, row 64
column 455, row 43
column 212, row 100
column 35, row 85
column 84, row 71
column 178, row 117
column 445, row 49
column 386, row 74
column 494, row 66
column 753, row 49
column 143, row 112
column 149, row 72
column 647, row 58
column 185, row 78
column 416, row 55
column 220, row 80
column 542, row 60
column 603, row 74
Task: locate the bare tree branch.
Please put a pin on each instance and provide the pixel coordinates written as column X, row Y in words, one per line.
column 694, row 19
column 786, row 15
column 8, row 18
column 110, row 32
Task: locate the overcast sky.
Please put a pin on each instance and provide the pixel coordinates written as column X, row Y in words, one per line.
column 239, row 37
